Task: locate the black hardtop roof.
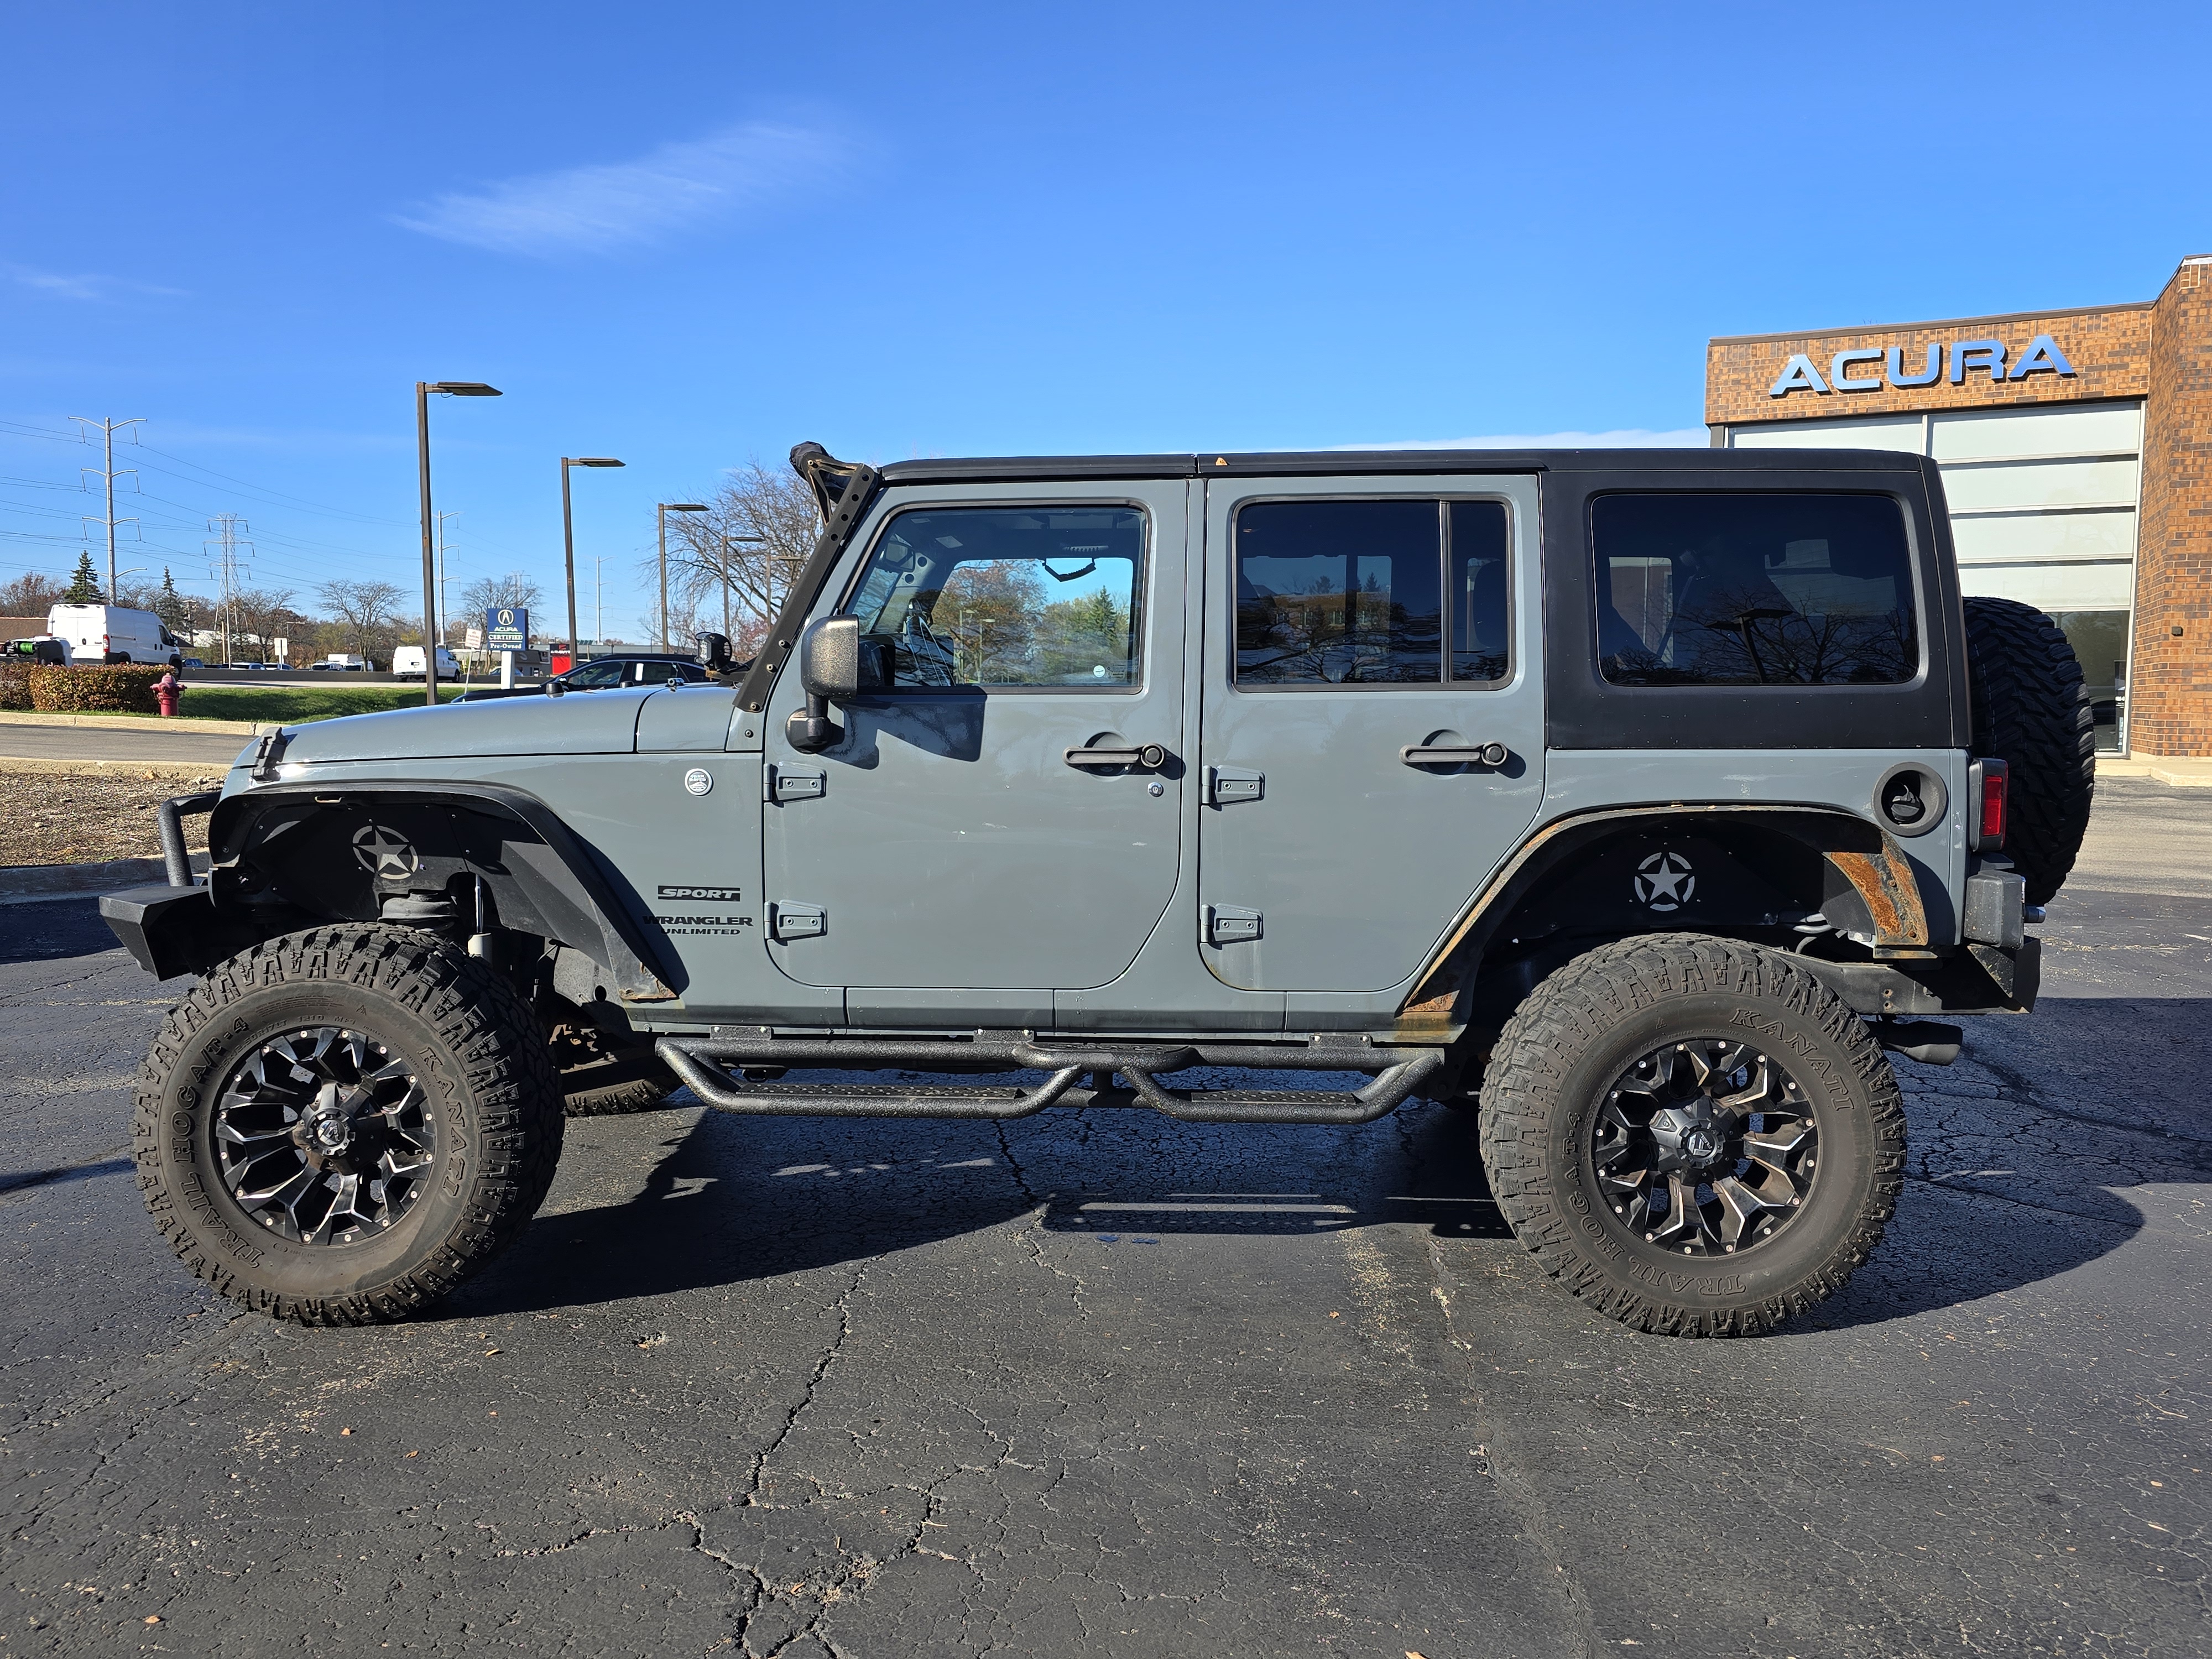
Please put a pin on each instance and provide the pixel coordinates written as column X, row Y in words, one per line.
column 1338, row 462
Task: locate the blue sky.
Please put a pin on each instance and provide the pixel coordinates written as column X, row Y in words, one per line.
column 688, row 235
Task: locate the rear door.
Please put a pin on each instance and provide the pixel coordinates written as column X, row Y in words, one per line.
column 1361, row 636
column 949, row 840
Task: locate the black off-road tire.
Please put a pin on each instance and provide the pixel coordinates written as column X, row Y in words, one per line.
column 1550, row 1074
column 599, row 1079
column 481, row 1063
column 2030, row 711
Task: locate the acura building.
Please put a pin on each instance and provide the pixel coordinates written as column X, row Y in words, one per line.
column 2077, row 453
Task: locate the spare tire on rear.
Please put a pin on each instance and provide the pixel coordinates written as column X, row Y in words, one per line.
column 2030, row 711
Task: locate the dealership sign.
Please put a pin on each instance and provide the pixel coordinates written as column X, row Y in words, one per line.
column 507, row 628
column 1871, row 368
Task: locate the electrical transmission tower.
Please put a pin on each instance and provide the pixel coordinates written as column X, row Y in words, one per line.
column 225, row 569
column 444, row 623
column 107, row 475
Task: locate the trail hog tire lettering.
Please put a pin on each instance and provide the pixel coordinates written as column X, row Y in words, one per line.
column 338, row 1127
column 1693, row 1135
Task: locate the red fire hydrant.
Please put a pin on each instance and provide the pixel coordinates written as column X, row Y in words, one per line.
column 166, row 692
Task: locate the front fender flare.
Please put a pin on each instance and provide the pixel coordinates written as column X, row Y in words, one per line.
column 551, row 874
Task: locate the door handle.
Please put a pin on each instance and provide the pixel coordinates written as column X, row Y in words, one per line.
column 1453, row 754
column 1151, row 756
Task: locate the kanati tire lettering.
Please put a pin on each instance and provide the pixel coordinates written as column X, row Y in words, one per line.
column 483, row 1056
column 1563, row 1042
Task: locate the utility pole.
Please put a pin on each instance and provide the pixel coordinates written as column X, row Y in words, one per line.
column 108, row 475
column 599, row 601
column 445, row 622
column 225, row 570
column 729, row 542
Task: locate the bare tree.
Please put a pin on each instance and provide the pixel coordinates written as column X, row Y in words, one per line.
column 31, row 595
column 363, row 612
column 730, row 567
column 260, row 615
column 516, row 590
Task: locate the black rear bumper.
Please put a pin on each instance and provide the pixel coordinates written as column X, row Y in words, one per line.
column 1981, row 979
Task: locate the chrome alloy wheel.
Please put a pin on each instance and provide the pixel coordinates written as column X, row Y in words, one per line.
column 324, row 1136
column 1706, row 1147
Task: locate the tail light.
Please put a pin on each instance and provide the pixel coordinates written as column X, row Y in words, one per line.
column 1986, row 783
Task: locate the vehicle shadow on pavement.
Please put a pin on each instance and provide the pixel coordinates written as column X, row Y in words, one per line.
column 49, row 930
column 2019, row 1158
column 732, row 1200
column 2014, row 1176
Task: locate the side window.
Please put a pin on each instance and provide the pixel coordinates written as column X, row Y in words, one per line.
column 1475, row 572
column 1041, row 598
column 1798, row 589
column 592, row 677
column 1403, row 592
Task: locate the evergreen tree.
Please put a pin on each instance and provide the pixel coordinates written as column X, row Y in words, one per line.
column 85, row 589
column 169, row 605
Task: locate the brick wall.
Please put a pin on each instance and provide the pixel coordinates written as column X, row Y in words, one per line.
column 2109, row 348
column 2170, row 690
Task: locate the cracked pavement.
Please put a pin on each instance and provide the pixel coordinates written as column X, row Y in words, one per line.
column 1099, row 1383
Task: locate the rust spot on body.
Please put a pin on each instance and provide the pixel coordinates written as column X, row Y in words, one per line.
column 1885, row 885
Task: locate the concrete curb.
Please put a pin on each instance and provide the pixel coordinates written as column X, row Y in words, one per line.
column 27, row 884
column 243, row 729
column 2181, row 771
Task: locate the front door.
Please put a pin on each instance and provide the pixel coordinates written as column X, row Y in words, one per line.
column 1363, row 642
column 957, row 834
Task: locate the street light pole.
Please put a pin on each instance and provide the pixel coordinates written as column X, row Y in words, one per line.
column 663, row 509
column 568, row 544
column 422, row 391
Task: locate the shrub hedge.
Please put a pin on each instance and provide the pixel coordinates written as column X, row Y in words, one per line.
column 120, row 689
column 16, row 687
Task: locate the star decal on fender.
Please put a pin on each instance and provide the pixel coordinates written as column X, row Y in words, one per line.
column 1664, row 881
column 385, row 853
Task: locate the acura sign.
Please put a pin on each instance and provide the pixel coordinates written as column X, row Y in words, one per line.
column 1871, row 368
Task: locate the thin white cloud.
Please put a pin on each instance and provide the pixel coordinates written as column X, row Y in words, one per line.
column 596, row 210
column 1633, row 437
column 85, row 287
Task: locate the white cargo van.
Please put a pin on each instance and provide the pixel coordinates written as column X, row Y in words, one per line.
column 112, row 634
column 407, row 663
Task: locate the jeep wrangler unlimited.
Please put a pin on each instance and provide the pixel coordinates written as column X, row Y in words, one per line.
column 1636, row 801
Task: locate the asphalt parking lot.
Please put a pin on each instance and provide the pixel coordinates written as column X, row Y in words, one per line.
column 1099, row 1383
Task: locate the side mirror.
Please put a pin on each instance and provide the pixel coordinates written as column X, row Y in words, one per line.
column 829, row 670
column 829, row 658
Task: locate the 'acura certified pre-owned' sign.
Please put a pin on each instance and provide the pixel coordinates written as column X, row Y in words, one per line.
column 1871, row 368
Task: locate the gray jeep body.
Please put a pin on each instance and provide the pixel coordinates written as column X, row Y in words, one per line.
column 1282, row 875
column 1285, row 876
column 1636, row 799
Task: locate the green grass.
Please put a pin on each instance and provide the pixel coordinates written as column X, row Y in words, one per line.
column 297, row 704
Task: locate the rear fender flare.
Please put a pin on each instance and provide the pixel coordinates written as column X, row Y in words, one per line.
column 1868, row 886
column 544, row 881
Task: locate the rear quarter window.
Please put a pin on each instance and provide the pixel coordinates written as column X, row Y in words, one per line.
column 1796, row 588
